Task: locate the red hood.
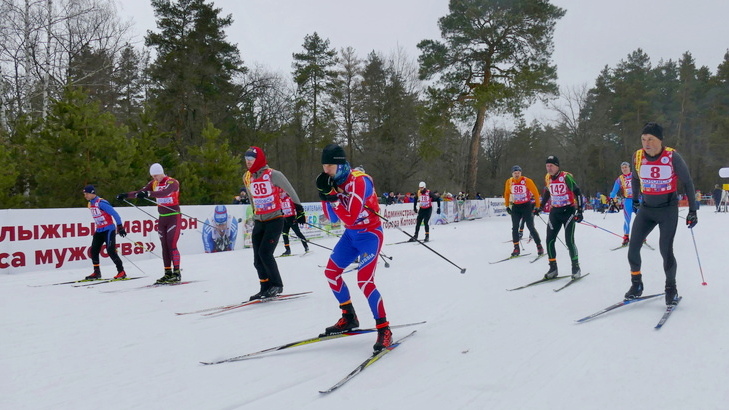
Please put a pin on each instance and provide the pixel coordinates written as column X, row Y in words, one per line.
column 260, row 161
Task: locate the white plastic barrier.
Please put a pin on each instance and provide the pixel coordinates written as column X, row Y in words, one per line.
column 43, row 239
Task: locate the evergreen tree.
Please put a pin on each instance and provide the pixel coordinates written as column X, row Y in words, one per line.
column 495, row 57
column 191, row 79
column 79, row 145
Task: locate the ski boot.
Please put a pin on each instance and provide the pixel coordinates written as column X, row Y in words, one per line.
column 261, row 293
column 553, row 272
column 636, row 288
column 427, row 237
column 413, row 238
column 170, row 276
column 626, row 240
column 347, row 322
column 540, row 250
column 272, row 291
column 121, row 275
column 94, row 276
column 671, row 295
column 516, row 251
column 306, row 246
column 576, row 272
column 287, row 252
column 384, row 335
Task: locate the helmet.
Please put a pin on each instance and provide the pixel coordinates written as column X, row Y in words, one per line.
column 221, row 214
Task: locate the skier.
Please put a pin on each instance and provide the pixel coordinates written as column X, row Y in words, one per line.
column 716, row 195
column 657, row 171
column 220, row 232
column 263, row 183
column 519, row 192
column 350, row 196
column 104, row 216
column 624, row 183
column 566, row 210
column 166, row 192
column 290, row 223
column 426, row 199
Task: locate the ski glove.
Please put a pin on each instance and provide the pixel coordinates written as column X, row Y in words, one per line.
column 438, row 211
column 691, row 219
column 636, row 205
column 121, row 197
column 300, row 215
column 508, row 210
column 537, row 211
column 578, row 216
column 327, row 188
column 415, row 208
column 120, row 230
column 142, row 194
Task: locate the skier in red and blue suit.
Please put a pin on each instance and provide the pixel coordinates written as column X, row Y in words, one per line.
column 349, row 195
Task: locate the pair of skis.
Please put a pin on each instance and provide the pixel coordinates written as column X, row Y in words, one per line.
column 322, row 338
column 519, row 256
column 666, row 314
column 626, row 245
column 544, row 280
column 226, row 308
column 87, row 282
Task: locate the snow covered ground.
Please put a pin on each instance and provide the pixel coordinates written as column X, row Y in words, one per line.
column 102, row 347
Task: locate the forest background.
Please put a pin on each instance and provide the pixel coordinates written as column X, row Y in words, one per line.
column 80, row 104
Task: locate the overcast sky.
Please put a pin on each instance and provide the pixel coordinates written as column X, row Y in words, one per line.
column 592, row 34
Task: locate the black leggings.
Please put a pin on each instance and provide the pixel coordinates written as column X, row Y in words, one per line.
column 524, row 213
column 559, row 217
column 647, row 218
column 423, row 217
column 264, row 240
column 98, row 240
column 290, row 223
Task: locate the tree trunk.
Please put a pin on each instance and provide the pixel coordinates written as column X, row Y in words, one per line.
column 473, row 151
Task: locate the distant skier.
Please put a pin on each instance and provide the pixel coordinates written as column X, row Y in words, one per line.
column 108, row 223
column 623, row 184
column 290, row 223
column 425, row 198
column 565, row 198
column 521, row 198
column 350, row 196
column 657, row 171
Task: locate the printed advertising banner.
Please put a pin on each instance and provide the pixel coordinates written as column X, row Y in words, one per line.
column 45, row 239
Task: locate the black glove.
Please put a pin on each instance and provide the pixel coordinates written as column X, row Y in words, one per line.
column 438, row 211
column 508, row 210
column 300, row 215
column 636, row 205
column 327, row 188
column 142, row 194
column 578, row 216
column 537, row 211
column 121, row 197
column 691, row 219
column 415, row 207
column 120, row 230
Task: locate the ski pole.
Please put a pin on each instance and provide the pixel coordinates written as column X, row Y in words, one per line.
column 135, row 265
column 595, row 226
column 703, row 281
column 138, row 244
column 463, row 270
column 174, row 210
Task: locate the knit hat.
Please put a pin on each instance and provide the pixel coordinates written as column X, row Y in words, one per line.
column 625, row 163
column 517, row 168
column 653, row 128
column 89, row 189
column 333, row 154
column 553, row 160
column 257, row 153
column 156, row 169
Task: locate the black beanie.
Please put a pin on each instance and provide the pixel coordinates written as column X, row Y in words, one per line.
column 333, row 154
column 653, row 128
column 553, row 160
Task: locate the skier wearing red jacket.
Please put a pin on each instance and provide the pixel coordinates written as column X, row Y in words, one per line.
column 349, row 195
